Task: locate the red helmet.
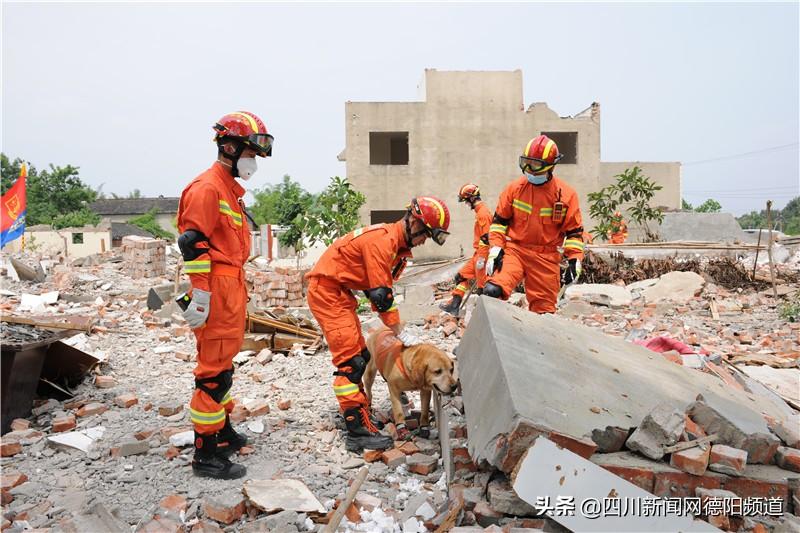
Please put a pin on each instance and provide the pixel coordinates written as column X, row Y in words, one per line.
column 246, row 128
column 540, row 155
column 434, row 214
column 469, row 192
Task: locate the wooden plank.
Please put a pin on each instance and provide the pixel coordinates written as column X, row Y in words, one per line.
column 282, row 327
column 71, row 323
column 690, row 444
column 712, row 304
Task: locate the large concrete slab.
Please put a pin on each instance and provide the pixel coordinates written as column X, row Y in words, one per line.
column 524, row 375
column 689, row 226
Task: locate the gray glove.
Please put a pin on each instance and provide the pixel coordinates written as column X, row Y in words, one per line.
column 197, row 312
column 408, row 338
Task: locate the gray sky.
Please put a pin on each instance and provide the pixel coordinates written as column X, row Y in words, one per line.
column 128, row 92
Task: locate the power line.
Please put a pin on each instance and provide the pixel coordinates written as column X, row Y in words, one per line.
column 744, row 154
column 754, row 189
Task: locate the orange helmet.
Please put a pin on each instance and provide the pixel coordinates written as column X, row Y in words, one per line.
column 540, row 155
column 245, row 128
column 469, row 192
column 434, row 214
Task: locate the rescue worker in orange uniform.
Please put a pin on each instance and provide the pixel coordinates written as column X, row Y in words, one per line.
column 215, row 244
column 369, row 260
column 475, row 268
column 536, row 215
column 619, row 229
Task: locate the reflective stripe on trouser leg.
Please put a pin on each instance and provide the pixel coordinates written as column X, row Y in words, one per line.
column 348, row 394
column 207, row 415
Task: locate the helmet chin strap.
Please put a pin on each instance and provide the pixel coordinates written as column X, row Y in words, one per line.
column 411, row 236
column 239, row 148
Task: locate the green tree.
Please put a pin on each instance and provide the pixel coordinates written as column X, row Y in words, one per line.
column 335, row 211
column 709, row 206
column 686, row 206
column 790, row 216
column 633, row 191
column 149, row 223
column 53, row 196
column 284, row 204
column 786, row 220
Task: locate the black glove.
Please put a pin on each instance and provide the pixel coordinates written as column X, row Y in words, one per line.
column 459, row 278
column 498, row 261
column 569, row 274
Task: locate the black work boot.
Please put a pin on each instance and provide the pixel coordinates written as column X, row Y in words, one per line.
column 361, row 433
column 208, row 463
column 452, row 306
column 228, row 440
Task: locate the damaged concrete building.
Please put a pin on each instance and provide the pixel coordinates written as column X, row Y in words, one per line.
column 472, row 126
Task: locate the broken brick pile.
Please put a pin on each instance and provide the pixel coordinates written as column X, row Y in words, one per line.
column 280, row 287
column 144, row 257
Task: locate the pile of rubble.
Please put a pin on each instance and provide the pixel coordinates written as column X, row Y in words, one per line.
column 280, row 287
column 144, row 257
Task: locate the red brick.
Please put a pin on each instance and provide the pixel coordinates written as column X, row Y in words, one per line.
column 18, row 424
column 239, row 414
column 168, row 431
column 727, row 460
column 172, row 452
column 352, row 514
column 409, row 448
column 460, row 431
column 283, row 405
column 204, row 526
column 144, row 434
column 173, row 504
column 227, row 511
column 449, row 328
column 641, row 477
column 183, row 356
column 9, row 480
column 126, row 400
column 393, row 457
column 753, row 488
column 578, row 445
column 683, row 485
column 694, row 460
column 485, row 515
column 9, row 449
column 6, row 497
column 421, row 464
column 170, row 409
column 105, row 382
column 161, row 525
column 370, row 456
column 721, row 522
column 788, row 458
column 94, row 408
column 692, row 430
column 63, row 423
column 147, row 406
column 257, row 408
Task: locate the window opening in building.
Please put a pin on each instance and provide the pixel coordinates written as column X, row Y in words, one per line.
column 77, row 238
column 385, row 217
column 567, row 142
column 388, row 148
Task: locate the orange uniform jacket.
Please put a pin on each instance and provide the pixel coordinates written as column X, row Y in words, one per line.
column 534, row 220
column 210, row 204
column 483, row 222
column 367, row 258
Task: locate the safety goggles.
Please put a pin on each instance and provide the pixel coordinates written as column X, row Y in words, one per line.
column 261, row 143
column 534, row 165
column 438, row 235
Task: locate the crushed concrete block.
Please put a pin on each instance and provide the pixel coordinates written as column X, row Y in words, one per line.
column 421, row 464
column 161, row 525
column 169, row 409
column 601, row 294
column 79, row 440
column 694, row 460
column 727, row 460
column 735, row 428
column 663, row 426
column 789, row 430
column 549, row 471
column 224, row 508
column 788, row 458
column 609, row 440
column 505, row 349
column 485, row 516
column 367, row 502
column 678, row 287
column 272, row 495
column 504, row 500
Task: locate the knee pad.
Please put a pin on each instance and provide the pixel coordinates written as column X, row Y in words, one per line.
column 490, row 289
column 224, row 381
column 353, row 369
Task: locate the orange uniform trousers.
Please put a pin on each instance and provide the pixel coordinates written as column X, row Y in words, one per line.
column 218, row 341
column 474, row 269
column 334, row 308
column 539, row 266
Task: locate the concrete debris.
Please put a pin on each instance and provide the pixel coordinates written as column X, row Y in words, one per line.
column 601, row 294
column 677, row 287
column 663, row 426
column 271, row 495
column 79, row 440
